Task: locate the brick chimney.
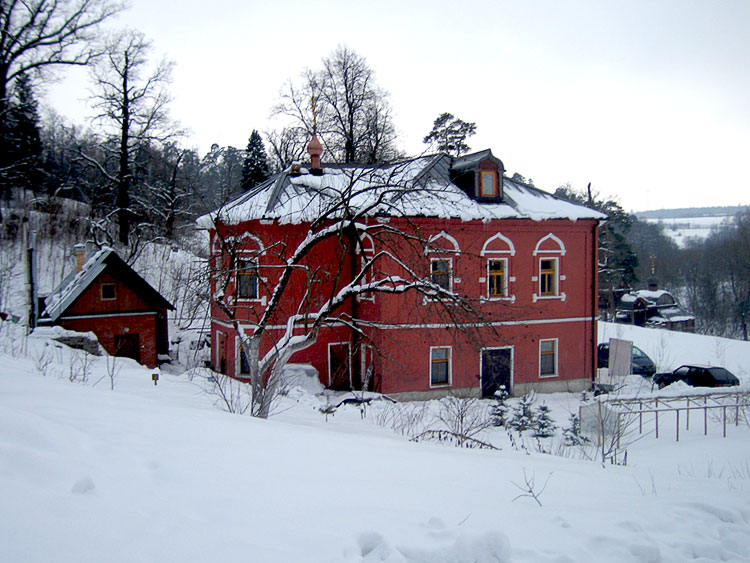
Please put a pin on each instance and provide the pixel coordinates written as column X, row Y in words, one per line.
column 315, row 149
column 79, row 251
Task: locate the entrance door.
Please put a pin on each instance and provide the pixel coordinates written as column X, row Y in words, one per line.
column 496, row 370
column 128, row 346
column 339, row 372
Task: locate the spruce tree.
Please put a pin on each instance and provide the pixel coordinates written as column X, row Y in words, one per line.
column 522, row 417
column 499, row 411
column 255, row 165
column 543, row 425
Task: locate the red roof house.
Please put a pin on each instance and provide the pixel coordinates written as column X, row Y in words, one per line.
column 523, row 261
column 107, row 297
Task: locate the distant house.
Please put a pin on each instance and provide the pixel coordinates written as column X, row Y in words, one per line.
column 526, row 259
column 654, row 307
column 107, row 297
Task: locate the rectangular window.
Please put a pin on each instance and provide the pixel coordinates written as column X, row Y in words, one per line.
column 488, row 185
column 440, row 366
column 441, row 273
column 548, row 357
column 247, row 279
column 548, row 276
column 497, row 278
column 109, row 291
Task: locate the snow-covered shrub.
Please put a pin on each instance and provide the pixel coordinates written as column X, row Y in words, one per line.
column 499, row 410
column 522, row 416
column 542, row 424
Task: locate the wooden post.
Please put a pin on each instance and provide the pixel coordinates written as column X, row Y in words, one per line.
column 656, row 412
column 618, row 430
column 678, row 423
column 687, row 414
column 725, row 420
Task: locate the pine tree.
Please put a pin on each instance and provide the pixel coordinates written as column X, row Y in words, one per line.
column 21, row 144
column 449, row 134
column 499, row 411
column 523, row 413
column 255, row 165
column 543, row 425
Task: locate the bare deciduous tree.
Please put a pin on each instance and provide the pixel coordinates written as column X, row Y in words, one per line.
column 38, row 34
column 131, row 101
column 342, row 103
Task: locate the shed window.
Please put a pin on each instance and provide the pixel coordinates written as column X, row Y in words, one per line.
column 109, row 291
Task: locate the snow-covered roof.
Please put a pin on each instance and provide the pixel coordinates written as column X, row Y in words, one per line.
column 410, row 188
column 74, row 284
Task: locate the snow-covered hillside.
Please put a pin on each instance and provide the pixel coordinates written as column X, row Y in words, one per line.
column 150, row 472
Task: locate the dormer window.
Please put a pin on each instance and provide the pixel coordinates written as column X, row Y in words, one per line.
column 488, row 184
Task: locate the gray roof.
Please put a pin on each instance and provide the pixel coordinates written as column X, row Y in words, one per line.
column 418, row 187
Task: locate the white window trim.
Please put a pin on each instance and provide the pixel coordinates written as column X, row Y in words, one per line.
column 253, row 255
column 498, row 236
column 450, row 368
column 508, row 279
column 557, row 356
column 442, row 235
column 536, row 280
column 560, row 244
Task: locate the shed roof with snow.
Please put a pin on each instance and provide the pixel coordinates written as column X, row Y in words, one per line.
column 65, row 294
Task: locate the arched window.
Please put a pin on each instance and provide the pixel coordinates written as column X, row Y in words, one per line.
column 548, row 279
column 441, row 248
column 496, row 253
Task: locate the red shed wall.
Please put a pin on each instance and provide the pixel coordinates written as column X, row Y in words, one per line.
column 128, row 313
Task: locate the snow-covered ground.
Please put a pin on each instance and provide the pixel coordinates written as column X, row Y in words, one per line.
column 150, row 472
column 685, row 228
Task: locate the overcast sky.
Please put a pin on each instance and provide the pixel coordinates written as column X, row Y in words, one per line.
column 647, row 100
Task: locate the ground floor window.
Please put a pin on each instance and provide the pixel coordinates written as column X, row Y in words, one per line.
column 548, row 357
column 440, row 366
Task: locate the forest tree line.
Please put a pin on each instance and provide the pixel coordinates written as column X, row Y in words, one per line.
column 133, row 171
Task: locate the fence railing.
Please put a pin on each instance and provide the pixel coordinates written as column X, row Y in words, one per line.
column 617, row 417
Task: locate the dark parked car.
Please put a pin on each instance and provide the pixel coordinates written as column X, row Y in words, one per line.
column 697, row 376
column 642, row 364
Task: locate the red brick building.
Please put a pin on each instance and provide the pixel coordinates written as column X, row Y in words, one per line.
column 107, row 297
column 524, row 260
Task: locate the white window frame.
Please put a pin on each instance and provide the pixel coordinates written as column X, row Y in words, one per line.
column 556, row 352
column 504, row 254
column 506, row 286
column 555, row 278
column 449, row 364
column 555, row 254
column 450, row 270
